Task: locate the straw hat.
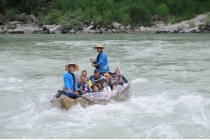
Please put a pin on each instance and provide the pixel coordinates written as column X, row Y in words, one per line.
column 75, row 66
column 99, row 46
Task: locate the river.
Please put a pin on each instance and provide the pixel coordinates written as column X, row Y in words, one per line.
column 169, row 94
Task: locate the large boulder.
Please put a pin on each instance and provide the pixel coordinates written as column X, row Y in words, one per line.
column 206, row 32
column 128, row 27
column 89, row 28
column 39, row 31
column 15, row 22
column 47, row 27
column 163, row 31
column 109, row 31
column 93, row 32
column 71, row 31
column 116, row 25
column 29, row 31
column 55, row 30
column 207, row 27
column 123, row 29
column 15, row 31
column 142, row 28
column 33, row 19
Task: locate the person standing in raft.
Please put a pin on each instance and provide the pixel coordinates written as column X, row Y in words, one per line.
column 70, row 80
column 101, row 62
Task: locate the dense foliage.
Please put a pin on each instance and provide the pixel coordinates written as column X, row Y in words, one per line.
column 71, row 13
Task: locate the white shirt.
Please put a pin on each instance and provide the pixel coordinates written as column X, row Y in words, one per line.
column 107, row 91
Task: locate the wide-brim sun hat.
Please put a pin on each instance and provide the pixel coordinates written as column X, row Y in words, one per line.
column 99, row 46
column 76, row 67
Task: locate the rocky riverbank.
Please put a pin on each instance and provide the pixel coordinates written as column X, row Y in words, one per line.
column 195, row 25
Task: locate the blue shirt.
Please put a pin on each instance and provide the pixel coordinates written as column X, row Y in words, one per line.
column 68, row 83
column 103, row 65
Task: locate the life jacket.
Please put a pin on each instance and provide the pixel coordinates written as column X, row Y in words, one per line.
column 92, row 78
column 122, row 78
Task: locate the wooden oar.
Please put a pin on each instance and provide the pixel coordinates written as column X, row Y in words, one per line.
column 120, row 68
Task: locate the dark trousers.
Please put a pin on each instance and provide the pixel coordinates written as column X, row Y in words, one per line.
column 62, row 92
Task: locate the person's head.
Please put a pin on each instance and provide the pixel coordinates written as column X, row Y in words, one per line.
column 95, row 88
column 83, row 79
column 116, row 79
column 84, row 73
column 104, row 82
column 106, row 75
column 117, row 71
column 96, row 73
column 71, row 67
column 78, row 79
column 99, row 48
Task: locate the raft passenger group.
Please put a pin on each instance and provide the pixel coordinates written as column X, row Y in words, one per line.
column 101, row 81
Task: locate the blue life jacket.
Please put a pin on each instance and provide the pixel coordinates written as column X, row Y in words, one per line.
column 102, row 62
column 70, row 82
column 93, row 79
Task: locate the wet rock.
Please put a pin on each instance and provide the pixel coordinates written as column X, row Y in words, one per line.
column 163, row 31
column 16, row 22
column 39, row 31
column 123, row 29
column 29, row 31
column 15, row 31
column 142, row 28
column 103, row 30
column 207, row 27
column 88, row 29
column 109, row 31
column 65, row 31
column 46, row 32
column 47, row 27
column 116, row 25
column 129, row 31
column 71, row 31
column 128, row 27
column 176, row 31
column 206, row 32
column 93, row 32
column 113, row 30
column 79, row 32
column 55, row 30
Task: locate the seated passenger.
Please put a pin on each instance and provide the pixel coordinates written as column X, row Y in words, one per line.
column 95, row 88
column 110, row 80
column 117, row 82
column 121, row 77
column 106, row 89
column 78, row 84
column 84, row 88
column 95, row 77
column 84, row 73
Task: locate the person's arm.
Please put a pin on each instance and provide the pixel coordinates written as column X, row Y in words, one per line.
column 67, row 82
column 101, row 59
column 81, row 90
column 124, row 79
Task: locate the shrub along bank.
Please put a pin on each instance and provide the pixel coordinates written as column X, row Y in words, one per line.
column 76, row 14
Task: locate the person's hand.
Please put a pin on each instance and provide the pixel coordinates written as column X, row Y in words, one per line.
column 69, row 91
column 92, row 60
column 93, row 65
column 76, row 93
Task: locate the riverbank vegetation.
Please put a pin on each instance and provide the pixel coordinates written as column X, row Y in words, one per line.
column 76, row 13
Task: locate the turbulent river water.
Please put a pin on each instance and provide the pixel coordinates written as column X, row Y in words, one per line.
column 169, row 94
